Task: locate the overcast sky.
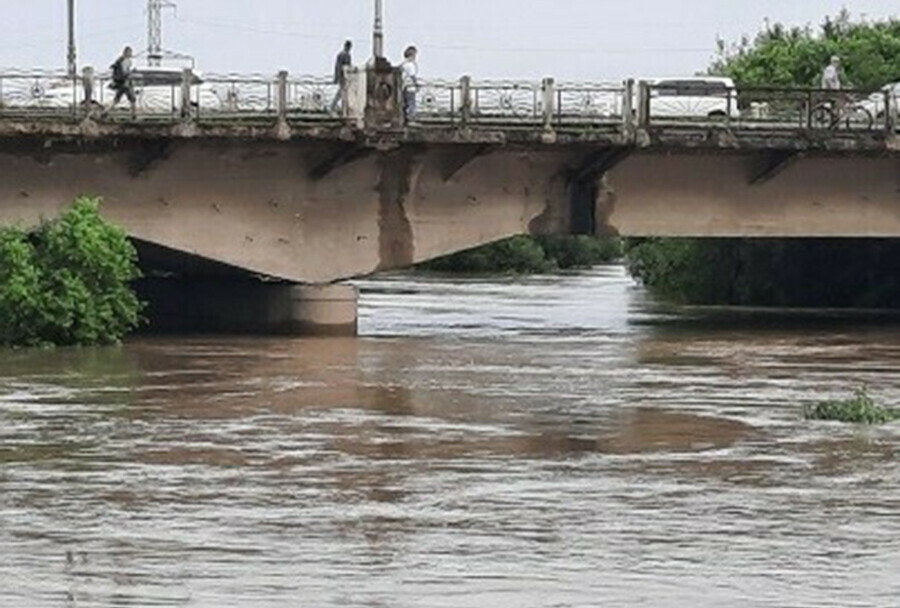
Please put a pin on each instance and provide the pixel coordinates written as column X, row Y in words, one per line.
column 568, row 39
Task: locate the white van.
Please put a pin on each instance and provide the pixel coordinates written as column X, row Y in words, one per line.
column 693, row 97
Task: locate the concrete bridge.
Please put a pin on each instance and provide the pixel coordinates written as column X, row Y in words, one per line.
column 225, row 179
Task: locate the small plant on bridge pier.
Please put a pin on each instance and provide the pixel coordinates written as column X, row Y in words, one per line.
column 68, row 282
column 860, row 409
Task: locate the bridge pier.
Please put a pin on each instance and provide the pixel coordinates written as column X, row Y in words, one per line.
column 249, row 306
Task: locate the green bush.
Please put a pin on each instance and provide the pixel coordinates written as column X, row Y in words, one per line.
column 68, row 283
column 530, row 255
column 580, row 251
column 794, row 273
column 861, row 409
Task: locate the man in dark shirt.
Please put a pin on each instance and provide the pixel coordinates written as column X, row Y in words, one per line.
column 343, row 61
column 122, row 81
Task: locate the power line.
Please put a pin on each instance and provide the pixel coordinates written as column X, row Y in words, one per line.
column 457, row 47
column 59, row 40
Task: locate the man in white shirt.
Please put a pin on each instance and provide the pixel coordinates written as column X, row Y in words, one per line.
column 409, row 70
column 831, row 78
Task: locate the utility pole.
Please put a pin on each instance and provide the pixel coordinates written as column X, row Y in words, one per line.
column 378, row 35
column 154, row 30
column 73, row 68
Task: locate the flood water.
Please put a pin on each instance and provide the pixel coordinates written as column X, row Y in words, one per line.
column 542, row 442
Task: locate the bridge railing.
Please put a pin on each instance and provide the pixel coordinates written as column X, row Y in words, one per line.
column 521, row 102
column 594, row 103
column 480, row 101
column 847, row 110
column 40, row 93
column 512, row 103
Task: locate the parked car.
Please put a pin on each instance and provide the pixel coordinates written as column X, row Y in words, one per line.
column 876, row 101
column 694, row 97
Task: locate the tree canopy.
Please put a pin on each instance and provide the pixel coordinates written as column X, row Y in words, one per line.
column 783, row 56
column 68, row 282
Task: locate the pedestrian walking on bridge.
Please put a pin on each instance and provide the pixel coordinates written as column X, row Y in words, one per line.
column 831, row 77
column 122, row 81
column 344, row 60
column 409, row 71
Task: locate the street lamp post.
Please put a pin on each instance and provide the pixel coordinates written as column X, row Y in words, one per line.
column 73, row 68
column 378, row 34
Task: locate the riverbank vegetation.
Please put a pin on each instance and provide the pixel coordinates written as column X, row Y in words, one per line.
column 860, row 409
column 530, row 255
column 68, row 281
column 818, row 273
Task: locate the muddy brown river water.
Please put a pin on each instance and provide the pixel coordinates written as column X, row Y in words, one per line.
column 543, row 442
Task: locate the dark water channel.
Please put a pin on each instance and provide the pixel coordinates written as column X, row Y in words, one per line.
column 522, row 443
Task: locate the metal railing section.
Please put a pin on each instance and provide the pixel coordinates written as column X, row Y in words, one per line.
column 524, row 103
column 588, row 101
column 312, row 95
column 847, row 110
column 38, row 93
column 234, row 96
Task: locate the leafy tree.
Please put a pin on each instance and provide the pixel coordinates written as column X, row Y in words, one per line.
column 68, row 283
column 781, row 56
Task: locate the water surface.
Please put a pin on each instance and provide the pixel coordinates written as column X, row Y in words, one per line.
column 555, row 441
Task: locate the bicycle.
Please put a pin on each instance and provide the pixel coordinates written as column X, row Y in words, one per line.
column 842, row 111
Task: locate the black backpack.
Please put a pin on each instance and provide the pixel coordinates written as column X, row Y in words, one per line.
column 118, row 72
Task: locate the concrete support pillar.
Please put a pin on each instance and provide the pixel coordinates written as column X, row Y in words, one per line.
column 643, row 102
column 87, row 84
column 282, row 96
column 548, row 92
column 249, row 306
column 384, row 106
column 465, row 101
column 628, row 106
column 324, row 310
column 187, row 79
column 890, row 112
column 355, row 96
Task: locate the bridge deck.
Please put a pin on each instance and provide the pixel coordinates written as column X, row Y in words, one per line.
column 530, row 113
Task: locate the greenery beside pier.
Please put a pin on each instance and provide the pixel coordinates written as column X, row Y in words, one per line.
column 816, row 273
column 530, row 255
column 68, row 282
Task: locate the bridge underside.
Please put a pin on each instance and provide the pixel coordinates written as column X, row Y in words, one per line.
column 317, row 211
column 774, row 194
column 308, row 211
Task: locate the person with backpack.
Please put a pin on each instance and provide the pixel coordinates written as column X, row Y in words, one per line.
column 122, row 83
column 344, row 60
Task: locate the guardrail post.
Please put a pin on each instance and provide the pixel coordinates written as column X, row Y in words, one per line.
column 628, row 106
column 548, row 90
column 889, row 111
column 643, row 100
column 282, row 96
column 465, row 104
column 87, row 84
column 187, row 79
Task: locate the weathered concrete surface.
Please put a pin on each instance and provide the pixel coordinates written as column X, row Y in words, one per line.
column 267, row 207
column 678, row 137
column 322, row 202
column 719, row 195
column 248, row 306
